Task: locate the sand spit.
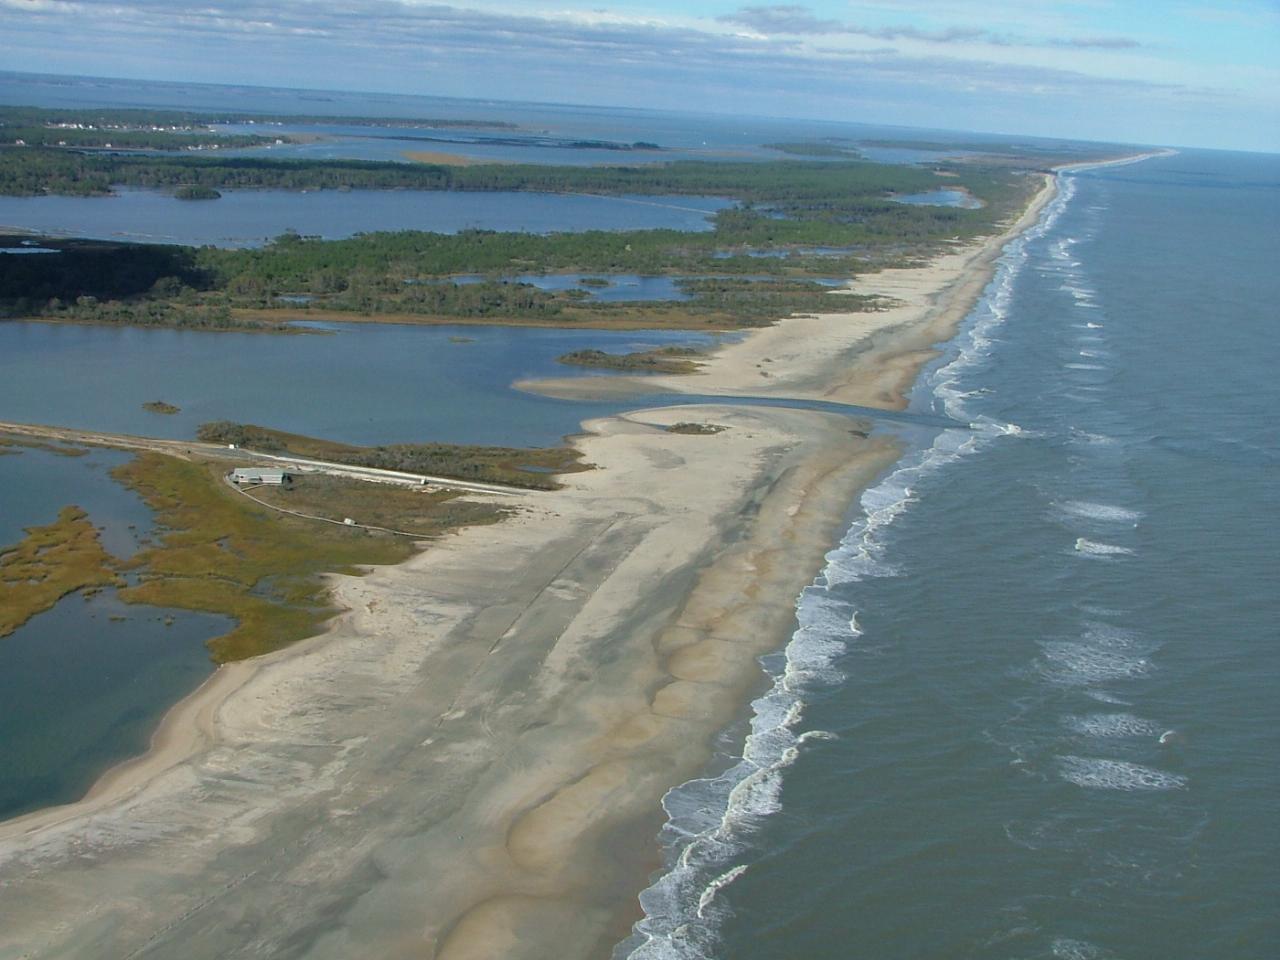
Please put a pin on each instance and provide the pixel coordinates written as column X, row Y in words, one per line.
column 469, row 763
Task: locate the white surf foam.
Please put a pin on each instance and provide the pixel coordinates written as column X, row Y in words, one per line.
column 1097, row 773
column 1076, row 663
column 1093, row 439
column 1111, row 725
column 1103, row 696
column 1100, row 512
column 709, row 818
column 1064, row 948
column 1092, row 548
column 715, row 886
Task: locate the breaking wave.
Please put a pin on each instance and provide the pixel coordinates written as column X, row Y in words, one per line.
column 710, row 818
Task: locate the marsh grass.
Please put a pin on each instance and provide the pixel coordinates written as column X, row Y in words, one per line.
column 424, row 511
column 50, row 562
column 221, row 553
column 534, row 467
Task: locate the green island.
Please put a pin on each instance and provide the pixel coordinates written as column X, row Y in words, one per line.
column 661, row 360
column 196, row 192
column 160, row 406
column 696, row 429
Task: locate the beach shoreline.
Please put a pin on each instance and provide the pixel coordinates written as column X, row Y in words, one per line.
column 511, row 703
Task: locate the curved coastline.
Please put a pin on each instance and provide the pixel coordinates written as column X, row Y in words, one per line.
column 629, row 610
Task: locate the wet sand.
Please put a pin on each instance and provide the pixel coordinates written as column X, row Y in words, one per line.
column 469, row 762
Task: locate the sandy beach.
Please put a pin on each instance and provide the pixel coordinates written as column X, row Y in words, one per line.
column 469, row 763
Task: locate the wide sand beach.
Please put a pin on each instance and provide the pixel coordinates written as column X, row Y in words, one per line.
column 469, row 763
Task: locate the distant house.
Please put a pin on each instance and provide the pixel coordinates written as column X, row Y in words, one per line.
column 258, row 475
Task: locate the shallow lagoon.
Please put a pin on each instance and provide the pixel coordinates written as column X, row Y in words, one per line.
column 118, row 668
column 360, row 383
column 84, row 684
column 940, row 198
column 249, row 218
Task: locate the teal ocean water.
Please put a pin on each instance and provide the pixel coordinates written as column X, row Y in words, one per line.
column 1030, row 707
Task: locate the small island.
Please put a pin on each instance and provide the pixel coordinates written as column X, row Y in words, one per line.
column 159, row 406
column 695, row 428
column 195, row 191
column 661, row 360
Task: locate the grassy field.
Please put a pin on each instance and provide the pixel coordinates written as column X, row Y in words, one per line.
column 422, row 511
column 514, row 466
column 220, row 553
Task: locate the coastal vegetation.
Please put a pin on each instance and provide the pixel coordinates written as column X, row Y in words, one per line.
column 13, row 443
column 115, row 130
column 661, row 360
column 172, row 130
column 50, row 562
column 696, row 429
column 780, row 182
column 221, row 553
column 421, row 511
column 196, row 192
column 514, row 466
column 831, row 149
column 796, row 221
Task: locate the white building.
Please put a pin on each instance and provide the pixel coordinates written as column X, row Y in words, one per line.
column 258, row 475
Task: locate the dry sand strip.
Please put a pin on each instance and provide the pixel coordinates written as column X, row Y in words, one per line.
column 864, row 358
column 469, row 763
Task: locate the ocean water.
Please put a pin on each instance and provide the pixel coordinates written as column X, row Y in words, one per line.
column 1030, row 707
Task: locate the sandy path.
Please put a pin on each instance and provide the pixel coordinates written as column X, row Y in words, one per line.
column 469, row 763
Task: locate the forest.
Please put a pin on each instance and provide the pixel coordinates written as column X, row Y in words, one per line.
column 759, row 261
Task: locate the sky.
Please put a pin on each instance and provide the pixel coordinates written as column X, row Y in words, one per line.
column 1170, row 72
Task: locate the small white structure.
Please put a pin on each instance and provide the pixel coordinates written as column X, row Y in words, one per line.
column 258, row 475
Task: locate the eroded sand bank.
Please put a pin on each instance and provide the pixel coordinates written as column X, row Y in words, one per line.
column 469, row 763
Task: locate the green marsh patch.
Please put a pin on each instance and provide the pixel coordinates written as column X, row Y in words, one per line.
column 49, row 563
column 221, row 553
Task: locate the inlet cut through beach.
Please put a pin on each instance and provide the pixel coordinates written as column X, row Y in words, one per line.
column 470, row 761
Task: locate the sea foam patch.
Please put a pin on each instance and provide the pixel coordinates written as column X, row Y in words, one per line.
column 1075, row 663
column 1098, row 773
column 1093, row 548
column 1106, row 513
column 1111, row 725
